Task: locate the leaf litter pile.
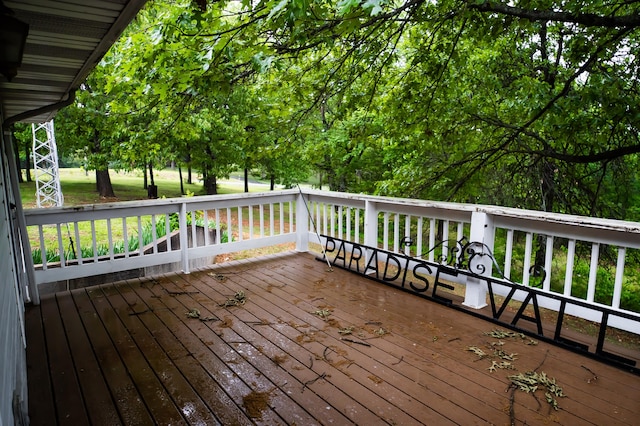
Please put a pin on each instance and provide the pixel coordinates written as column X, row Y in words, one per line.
column 528, row 382
column 238, row 299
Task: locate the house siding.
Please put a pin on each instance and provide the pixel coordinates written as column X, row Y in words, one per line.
column 13, row 371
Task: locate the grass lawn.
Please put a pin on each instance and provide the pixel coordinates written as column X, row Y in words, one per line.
column 79, row 187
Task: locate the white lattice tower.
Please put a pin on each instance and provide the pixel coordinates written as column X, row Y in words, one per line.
column 45, row 158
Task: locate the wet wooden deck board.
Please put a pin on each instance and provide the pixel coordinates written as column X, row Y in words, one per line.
column 127, row 353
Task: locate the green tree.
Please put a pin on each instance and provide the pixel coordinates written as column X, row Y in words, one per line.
column 529, row 104
column 87, row 129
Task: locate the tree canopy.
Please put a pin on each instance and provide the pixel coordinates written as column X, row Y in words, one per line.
column 531, row 104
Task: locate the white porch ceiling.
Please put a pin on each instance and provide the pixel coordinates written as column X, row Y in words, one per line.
column 67, row 38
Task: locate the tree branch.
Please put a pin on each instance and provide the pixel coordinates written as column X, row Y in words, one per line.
column 584, row 19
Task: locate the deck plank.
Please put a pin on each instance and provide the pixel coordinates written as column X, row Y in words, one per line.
column 99, row 404
column 364, row 386
column 155, row 396
column 169, row 331
column 38, row 375
column 305, row 367
column 462, row 332
column 239, row 360
column 416, row 355
column 177, row 387
column 158, row 365
column 218, row 358
column 417, row 382
column 130, row 404
column 67, row 394
column 587, row 407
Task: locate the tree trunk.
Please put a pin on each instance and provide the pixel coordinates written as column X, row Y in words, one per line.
column 145, row 182
column 16, row 154
column 272, row 181
column 151, row 173
column 210, row 184
column 27, row 163
column 189, row 181
column 246, row 179
column 103, row 184
column 152, row 189
column 181, row 182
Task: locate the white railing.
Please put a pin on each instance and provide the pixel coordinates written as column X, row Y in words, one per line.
column 106, row 238
column 583, row 258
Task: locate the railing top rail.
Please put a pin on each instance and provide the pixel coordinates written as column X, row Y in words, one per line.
column 587, row 228
column 563, row 225
column 159, row 204
column 391, row 200
column 562, row 218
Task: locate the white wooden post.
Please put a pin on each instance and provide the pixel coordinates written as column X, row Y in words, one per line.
column 184, row 239
column 370, row 228
column 482, row 231
column 302, row 223
column 370, row 224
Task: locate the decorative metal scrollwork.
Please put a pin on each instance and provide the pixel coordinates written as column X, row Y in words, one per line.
column 471, row 255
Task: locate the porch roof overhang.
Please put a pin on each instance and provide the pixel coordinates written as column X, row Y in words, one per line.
column 67, row 39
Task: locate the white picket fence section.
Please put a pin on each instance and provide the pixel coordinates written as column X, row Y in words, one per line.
column 423, row 229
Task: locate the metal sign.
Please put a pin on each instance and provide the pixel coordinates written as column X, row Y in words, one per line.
column 468, row 260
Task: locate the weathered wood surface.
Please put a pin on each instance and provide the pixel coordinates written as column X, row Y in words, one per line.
column 128, row 353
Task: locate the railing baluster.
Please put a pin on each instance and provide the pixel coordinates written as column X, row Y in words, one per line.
column 261, row 220
column 43, row 249
column 357, row 226
column 593, row 272
column 60, row 246
column 218, row 228
column 407, row 235
column 385, row 231
column 396, row 233
column 617, row 285
column 348, row 230
column 459, row 236
column 508, row 254
column 192, row 228
column 94, row 242
column 432, row 239
column 527, row 259
column 110, row 239
column 568, row 275
column 167, row 231
column 125, row 236
column 78, row 246
column 154, row 234
column 272, row 224
column 445, row 239
column 332, row 219
column 140, row 236
column 291, row 217
column 281, row 212
column 546, row 285
column 419, row 237
column 240, row 224
column 205, row 230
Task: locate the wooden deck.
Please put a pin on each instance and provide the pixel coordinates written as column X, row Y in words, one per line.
column 129, row 353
